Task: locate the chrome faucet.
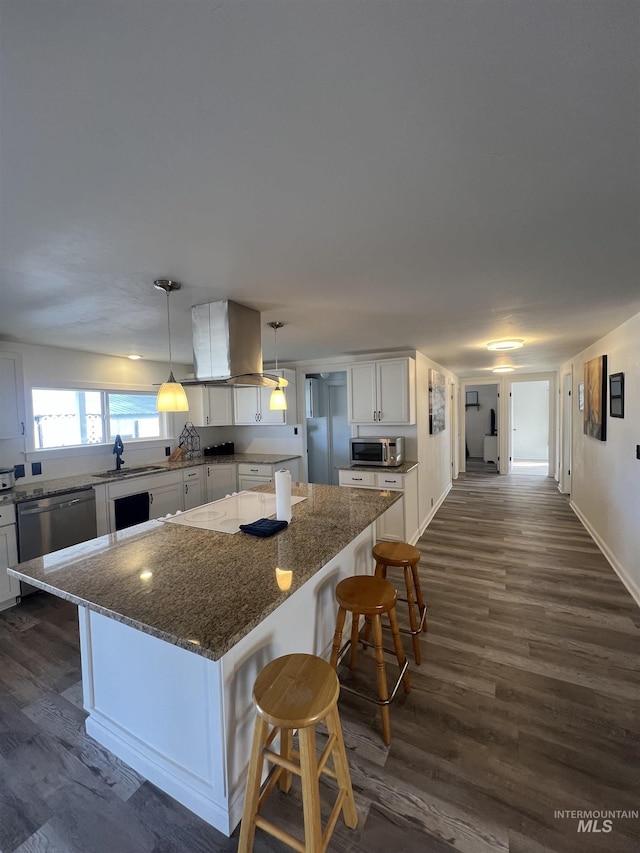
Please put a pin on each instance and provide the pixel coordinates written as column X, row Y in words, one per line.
column 118, row 449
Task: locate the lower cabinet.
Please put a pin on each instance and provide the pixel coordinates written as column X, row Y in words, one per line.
column 400, row 523
column 165, row 499
column 9, row 587
column 193, row 487
column 222, row 480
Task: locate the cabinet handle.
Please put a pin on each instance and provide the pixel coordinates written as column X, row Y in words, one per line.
column 379, row 415
column 253, row 470
column 22, row 427
column 186, row 488
column 374, row 415
column 150, row 497
column 357, row 479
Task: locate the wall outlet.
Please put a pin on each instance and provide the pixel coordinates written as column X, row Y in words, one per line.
column 36, row 468
column 18, row 470
column 167, row 451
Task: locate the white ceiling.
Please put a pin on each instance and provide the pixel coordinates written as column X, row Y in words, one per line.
column 377, row 175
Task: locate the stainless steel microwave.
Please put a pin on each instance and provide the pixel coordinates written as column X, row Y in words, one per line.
column 378, row 451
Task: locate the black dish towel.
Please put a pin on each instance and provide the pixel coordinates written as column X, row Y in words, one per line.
column 263, row 527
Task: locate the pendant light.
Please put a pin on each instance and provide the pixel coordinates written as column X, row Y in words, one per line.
column 171, row 396
column 277, row 401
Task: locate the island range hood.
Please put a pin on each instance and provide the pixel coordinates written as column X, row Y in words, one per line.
column 227, row 346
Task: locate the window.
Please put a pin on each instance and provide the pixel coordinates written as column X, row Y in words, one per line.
column 69, row 417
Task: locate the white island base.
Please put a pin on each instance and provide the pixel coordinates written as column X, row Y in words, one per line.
column 185, row 722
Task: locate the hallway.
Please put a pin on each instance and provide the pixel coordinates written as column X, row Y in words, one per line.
column 526, row 703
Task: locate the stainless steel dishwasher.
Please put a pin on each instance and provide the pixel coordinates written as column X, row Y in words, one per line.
column 49, row 524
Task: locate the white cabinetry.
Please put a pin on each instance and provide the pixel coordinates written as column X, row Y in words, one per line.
column 400, row 523
column 382, row 392
column 210, row 406
column 9, row 586
column 250, row 475
column 251, row 405
column 222, row 480
column 166, row 496
column 193, row 487
column 490, row 449
column 11, row 395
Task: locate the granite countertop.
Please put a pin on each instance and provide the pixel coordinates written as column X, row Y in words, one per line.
column 46, row 488
column 381, row 469
column 206, row 590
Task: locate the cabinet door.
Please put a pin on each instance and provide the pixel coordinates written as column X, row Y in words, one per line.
column 393, row 391
column 221, row 481
column 277, row 416
column 9, row 586
column 246, row 404
column 165, row 500
column 220, row 405
column 390, row 525
column 193, row 487
column 11, row 394
column 197, row 404
column 362, row 397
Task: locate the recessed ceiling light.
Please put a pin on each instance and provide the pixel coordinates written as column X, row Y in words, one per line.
column 502, row 370
column 503, row 346
column 134, row 357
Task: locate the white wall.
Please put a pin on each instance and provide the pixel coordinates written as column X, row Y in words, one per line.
column 52, row 367
column 605, row 475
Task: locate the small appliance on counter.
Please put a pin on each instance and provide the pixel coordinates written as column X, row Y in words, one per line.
column 227, row 448
column 7, row 479
column 378, row 451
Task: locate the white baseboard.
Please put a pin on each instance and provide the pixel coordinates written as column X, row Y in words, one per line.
column 630, row 584
column 434, row 509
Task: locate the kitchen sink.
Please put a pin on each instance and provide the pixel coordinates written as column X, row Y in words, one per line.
column 129, row 472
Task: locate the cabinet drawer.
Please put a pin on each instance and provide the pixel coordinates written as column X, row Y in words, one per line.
column 390, row 481
column 357, row 478
column 245, row 468
column 191, row 474
column 7, row 514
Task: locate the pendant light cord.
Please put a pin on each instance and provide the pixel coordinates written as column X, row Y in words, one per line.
column 169, row 334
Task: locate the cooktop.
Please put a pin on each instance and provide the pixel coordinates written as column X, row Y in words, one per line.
column 227, row 514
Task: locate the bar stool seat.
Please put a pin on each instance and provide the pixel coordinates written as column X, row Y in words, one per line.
column 371, row 597
column 403, row 556
column 295, row 692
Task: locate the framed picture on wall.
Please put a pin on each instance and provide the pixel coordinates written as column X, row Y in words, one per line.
column 616, row 395
column 471, row 398
column 437, row 400
column 595, row 398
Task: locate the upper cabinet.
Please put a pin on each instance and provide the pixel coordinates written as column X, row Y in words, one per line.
column 251, row 405
column 210, row 406
column 382, row 392
column 12, row 423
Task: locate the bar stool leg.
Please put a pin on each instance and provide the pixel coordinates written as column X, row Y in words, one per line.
column 397, row 644
column 342, row 769
column 416, row 583
column 413, row 622
column 337, row 637
column 381, row 674
column 355, row 625
column 254, row 778
column 310, row 790
column 286, row 748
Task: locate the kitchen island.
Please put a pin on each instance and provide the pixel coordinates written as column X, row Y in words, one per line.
column 176, row 622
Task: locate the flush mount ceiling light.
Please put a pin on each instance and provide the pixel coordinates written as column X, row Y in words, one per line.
column 171, row 396
column 502, row 370
column 134, row 357
column 277, row 401
column 505, row 346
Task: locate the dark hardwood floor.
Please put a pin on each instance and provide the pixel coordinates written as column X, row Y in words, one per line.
column 526, row 705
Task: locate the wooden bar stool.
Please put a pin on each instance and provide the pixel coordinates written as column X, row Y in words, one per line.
column 296, row 692
column 368, row 596
column 402, row 556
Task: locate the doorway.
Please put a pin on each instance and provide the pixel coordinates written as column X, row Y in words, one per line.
column 328, row 430
column 530, row 427
column 481, row 428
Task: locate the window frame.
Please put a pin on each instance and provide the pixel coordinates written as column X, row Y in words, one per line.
column 105, row 389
